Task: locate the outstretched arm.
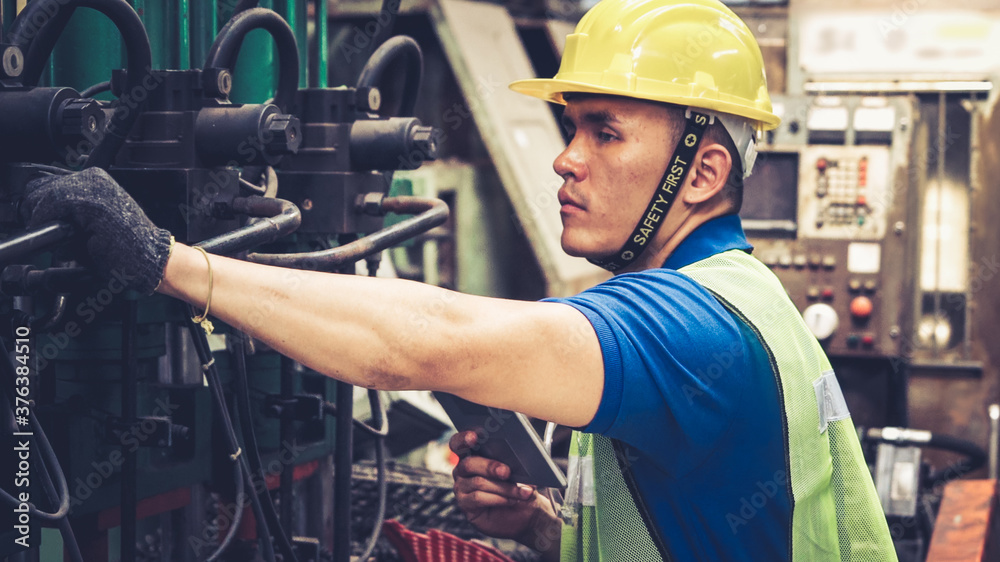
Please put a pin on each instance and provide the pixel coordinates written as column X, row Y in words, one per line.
column 542, row 359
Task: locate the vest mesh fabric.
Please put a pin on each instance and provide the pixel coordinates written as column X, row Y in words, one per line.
column 836, row 514
column 607, row 532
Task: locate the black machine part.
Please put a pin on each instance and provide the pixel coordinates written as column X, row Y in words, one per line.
column 396, row 143
column 46, row 124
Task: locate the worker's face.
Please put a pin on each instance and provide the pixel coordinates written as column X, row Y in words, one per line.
column 613, row 164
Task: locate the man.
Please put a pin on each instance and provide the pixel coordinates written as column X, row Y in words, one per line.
column 712, row 427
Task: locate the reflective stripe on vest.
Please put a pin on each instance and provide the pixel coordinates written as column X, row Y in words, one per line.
column 835, row 515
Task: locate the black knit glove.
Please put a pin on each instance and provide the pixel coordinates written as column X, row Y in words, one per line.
column 120, row 239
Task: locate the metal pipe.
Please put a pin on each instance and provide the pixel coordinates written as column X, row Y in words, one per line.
column 280, row 217
column 343, row 461
column 227, row 45
column 34, row 240
column 343, row 457
column 320, row 78
column 130, row 394
column 432, row 212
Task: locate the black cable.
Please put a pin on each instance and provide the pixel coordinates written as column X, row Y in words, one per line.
column 379, row 417
column 226, row 49
column 331, row 409
column 239, row 485
column 98, row 88
column 201, row 346
column 65, row 529
column 47, row 31
column 52, row 169
column 399, row 47
column 48, row 454
column 25, row 30
column 383, row 492
column 250, row 440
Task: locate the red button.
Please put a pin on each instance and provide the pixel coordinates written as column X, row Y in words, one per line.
column 867, row 340
column 828, row 293
column 861, row 307
column 821, row 164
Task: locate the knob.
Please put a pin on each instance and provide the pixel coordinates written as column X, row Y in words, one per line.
column 821, row 319
column 861, row 307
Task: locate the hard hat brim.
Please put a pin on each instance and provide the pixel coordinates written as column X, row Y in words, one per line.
column 552, row 90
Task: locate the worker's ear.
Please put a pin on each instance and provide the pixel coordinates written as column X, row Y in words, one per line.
column 709, row 173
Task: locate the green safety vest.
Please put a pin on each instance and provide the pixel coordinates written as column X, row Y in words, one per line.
column 836, row 514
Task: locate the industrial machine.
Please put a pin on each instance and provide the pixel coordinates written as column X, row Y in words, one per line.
column 143, row 437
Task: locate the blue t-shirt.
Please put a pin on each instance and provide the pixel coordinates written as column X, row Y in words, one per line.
column 689, row 389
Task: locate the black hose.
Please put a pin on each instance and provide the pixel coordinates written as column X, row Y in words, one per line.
column 98, row 88
column 48, row 454
column 226, row 49
column 45, row 323
column 34, row 240
column 385, row 55
column 201, row 346
column 70, row 543
column 383, row 427
column 383, row 492
column 50, row 459
column 433, row 212
column 238, row 485
column 250, row 440
column 280, row 217
column 25, row 30
column 41, row 37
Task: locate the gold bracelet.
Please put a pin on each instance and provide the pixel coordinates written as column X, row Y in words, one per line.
column 202, row 319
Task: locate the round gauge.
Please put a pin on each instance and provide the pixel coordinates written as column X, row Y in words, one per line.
column 821, row 319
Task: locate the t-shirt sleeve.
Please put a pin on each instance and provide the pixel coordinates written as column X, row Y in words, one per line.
column 675, row 365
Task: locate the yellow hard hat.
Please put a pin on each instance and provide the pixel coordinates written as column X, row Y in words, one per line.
column 694, row 53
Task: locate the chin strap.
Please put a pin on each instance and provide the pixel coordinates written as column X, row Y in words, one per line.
column 677, row 170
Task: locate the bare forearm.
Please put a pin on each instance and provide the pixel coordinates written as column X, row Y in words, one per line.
column 396, row 334
column 358, row 330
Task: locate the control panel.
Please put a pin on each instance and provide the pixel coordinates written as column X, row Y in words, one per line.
column 844, row 191
column 826, row 210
